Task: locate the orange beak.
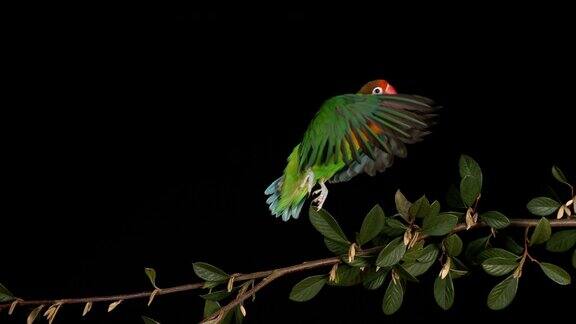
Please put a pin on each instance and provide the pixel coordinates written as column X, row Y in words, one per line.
column 390, row 89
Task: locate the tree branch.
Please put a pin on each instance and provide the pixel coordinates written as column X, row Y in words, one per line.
column 268, row 276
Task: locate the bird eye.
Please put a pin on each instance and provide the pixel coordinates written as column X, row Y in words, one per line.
column 377, row 90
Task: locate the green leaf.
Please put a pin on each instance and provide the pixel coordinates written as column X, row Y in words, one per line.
column 393, row 297
column 453, row 245
column 542, row 206
column 562, row 241
column 359, row 261
column 455, row 273
column 381, row 239
column 429, row 253
column 238, row 316
column 391, row 253
column 211, row 284
column 469, row 167
column 495, row 219
column 498, row 266
column 307, row 288
column 420, row 208
column 503, row 293
column 229, row 317
column 216, row 295
column 148, row 320
column 372, row 225
column 402, row 205
column 470, row 188
column 393, row 227
column 417, row 268
column 475, row 247
column 574, row 259
column 471, row 183
column 541, row 233
column 434, row 208
column 439, row 225
column 210, row 307
column 458, row 269
column 327, row 225
column 405, row 274
column 347, row 276
column 336, row 247
column 453, row 198
column 209, row 272
column 5, row 294
column 559, row 175
column 444, row 292
column 512, row 246
column 496, row 253
column 375, row 279
column 413, row 253
column 151, row 274
column 557, row 274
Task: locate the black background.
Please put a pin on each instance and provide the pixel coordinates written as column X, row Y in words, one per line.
column 147, row 140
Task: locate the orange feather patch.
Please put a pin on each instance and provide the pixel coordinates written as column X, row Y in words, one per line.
column 375, row 127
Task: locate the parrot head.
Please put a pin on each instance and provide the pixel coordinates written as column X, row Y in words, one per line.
column 377, row 87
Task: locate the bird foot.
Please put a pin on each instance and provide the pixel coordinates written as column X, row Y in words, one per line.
column 322, row 193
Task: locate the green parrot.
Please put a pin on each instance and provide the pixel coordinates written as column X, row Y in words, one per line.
column 350, row 135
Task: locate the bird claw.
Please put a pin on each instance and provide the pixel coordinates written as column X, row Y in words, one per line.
column 321, row 198
column 319, row 202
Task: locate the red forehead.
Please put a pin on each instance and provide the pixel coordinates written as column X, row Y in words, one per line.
column 381, row 83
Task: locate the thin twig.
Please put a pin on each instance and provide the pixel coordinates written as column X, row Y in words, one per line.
column 570, row 222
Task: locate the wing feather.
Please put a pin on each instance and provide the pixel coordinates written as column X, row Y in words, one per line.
column 365, row 132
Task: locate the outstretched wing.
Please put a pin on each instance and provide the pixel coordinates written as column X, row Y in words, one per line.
column 365, row 132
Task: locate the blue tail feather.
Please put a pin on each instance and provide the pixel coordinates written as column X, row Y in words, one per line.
column 273, row 191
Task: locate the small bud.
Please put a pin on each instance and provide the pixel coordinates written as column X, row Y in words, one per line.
column 13, row 306
column 242, row 310
column 352, row 252
column 152, row 295
column 114, row 305
column 230, row 285
column 414, row 240
column 470, row 218
column 362, row 268
column 87, row 308
column 49, row 311
column 50, row 314
column 407, row 236
column 570, row 202
column 33, row 314
column 567, row 211
column 377, row 268
column 518, row 272
column 560, row 213
column 332, row 275
column 445, row 269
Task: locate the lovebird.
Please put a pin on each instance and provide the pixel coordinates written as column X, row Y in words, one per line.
column 351, row 134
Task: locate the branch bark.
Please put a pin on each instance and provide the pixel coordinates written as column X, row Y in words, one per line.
column 268, row 276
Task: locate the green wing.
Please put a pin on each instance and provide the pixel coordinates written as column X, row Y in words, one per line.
column 365, row 132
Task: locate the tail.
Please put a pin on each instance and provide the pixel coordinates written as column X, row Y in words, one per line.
column 286, row 195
